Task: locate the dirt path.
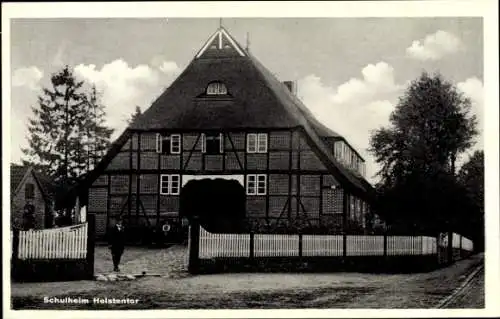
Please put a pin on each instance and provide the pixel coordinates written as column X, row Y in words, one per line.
column 253, row 290
column 164, row 261
column 471, row 296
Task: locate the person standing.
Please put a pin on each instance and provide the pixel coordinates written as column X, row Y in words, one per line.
column 29, row 216
column 117, row 243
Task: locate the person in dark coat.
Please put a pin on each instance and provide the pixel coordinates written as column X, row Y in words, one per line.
column 117, row 243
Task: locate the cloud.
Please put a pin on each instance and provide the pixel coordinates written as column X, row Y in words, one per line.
column 169, row 67
column 124, row 87
column 356, row 107
column 435, row 46
column 474, row 90
column 28, row 77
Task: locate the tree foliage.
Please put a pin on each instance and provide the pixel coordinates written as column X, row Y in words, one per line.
column 471, row 177
column 137, row 113
column 97, row 133
column 67, row 133
column 431, row 125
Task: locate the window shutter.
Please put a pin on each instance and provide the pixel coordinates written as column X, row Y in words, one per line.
column 203, row 143
column 221, row 143
column 158, row 142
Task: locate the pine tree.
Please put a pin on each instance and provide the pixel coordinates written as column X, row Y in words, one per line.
column 67, row 133
column 53, row 130
column 97, row 134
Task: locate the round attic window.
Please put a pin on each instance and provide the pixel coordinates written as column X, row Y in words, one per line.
column 216, row 88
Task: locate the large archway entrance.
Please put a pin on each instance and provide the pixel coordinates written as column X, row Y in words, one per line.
column 218, row 203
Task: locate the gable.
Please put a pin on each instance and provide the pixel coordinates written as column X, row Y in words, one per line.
column 219, row 45
column 255, row 99
column 17, row 174
column 28, row 178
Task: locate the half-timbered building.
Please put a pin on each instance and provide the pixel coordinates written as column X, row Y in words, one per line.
column 226, row 116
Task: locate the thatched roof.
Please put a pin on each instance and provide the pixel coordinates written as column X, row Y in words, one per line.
column 256, row 99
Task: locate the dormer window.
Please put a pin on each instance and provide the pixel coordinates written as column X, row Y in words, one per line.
column 216, row 88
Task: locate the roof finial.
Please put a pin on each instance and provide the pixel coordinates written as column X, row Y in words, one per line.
column 220, row 23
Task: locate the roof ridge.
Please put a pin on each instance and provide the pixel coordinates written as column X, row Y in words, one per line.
column 306, row 123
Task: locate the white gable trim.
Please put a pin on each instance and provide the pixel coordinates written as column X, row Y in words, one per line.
column 204, row 48
column 232, row 42
column 220, row 33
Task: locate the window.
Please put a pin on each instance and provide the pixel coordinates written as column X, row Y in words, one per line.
column 170, row 184
column 212, row 143
column 168, row 144
column 29, row 191
column 256, row 184
column 216, row 88
column 257, row 143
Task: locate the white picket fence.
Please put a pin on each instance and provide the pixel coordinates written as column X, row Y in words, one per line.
column 467, row 244
column 321, row 245
column 213, row 245
column 55, row 243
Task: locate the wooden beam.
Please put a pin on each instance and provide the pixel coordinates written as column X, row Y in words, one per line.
column 290, row 163
column 137, row 178
column 190, row 153
column 235, row 151
column 345, row 209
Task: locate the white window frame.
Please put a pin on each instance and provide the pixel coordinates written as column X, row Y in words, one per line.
column 254, row 182
column 204, row 143
column 251, row 189
column 257, row 143
column 262, row 141
column 251, row 143
column 216, row 88
column 159, row 143
column 170, row 180
column 178, row 141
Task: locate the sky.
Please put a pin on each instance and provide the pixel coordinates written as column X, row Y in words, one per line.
column 349, row 71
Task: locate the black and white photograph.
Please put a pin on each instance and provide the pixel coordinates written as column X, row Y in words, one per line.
column 203, row 156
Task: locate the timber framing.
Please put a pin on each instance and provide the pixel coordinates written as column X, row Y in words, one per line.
column 297, row 156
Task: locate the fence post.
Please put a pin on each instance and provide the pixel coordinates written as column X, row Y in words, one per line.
column 252, row 253
column 300, row 245
column 345, row 212
column 422, row 251
column 90, row 246
column 194, row 246
column 460, row 255
column 438, row 255
column 15, row 253
column 385, row 245
column 450, row 247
